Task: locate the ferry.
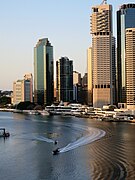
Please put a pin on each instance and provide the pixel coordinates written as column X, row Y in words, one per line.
column 123, row 117
column 64, row 110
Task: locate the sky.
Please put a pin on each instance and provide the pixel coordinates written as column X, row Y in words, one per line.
column 66, row 23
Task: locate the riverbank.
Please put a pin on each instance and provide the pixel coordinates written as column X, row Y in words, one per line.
column 6, row 110
column 30, row 112
column 97, row 115
column 106, row 119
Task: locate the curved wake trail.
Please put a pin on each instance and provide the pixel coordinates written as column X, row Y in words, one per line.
column 41, row 138
column 94, row 134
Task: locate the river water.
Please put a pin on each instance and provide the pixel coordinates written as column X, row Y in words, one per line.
column 89, row 149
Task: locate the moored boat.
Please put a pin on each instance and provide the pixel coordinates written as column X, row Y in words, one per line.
column 64, row 110
column 4, row 133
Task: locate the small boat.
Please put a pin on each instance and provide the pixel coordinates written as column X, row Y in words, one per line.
column 4, row 133
column 44, row 113
column 56, row 151
column 34, row 112
column 55, row 142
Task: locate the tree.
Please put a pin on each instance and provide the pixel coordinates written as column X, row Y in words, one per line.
column 27, row 105
column 4, row 100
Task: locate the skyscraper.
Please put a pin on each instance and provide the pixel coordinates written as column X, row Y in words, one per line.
column 89, row 71
column 130, row 68
column 43, row 72
column 125, row 19
column 64, row 77
column 102, row 55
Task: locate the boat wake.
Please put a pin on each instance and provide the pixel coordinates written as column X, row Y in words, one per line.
column 42, row 138
column 93, row 135
column 36, row 138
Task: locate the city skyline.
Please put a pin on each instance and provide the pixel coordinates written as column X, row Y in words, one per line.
column 66, row 25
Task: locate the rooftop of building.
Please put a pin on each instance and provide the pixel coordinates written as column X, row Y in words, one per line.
column 126, row 6
column 43, row 41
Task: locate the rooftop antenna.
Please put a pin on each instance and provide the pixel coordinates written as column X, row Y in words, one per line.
column 104, row 2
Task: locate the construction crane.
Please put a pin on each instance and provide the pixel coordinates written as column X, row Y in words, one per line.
column 104, row 2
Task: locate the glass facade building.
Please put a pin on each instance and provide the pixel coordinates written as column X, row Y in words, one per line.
column 64, row 75
column 43, row 72
column 125, row 19
column 29, row 83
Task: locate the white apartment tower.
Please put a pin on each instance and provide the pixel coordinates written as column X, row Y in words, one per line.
column 18, row 91
column 103, row 55
column 23, row 89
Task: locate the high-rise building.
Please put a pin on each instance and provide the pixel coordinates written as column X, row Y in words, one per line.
column 55, row 91
column 43, row 72
column 23, row 89
column 85, row 80
column 89, row 71
column 18, row 91
column 29, row 91
column 130, row 68
column 103, row 69
column 77, row 87
column 125, row 19
column 114, row 72
column 76, row 77
column 85, row 89
column 64, row 77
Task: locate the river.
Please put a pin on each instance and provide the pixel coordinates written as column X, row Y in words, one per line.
column 89, row 149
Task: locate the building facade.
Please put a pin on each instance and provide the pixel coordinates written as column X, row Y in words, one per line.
column 125, row 19
column 85, row 89
column 130, row 68
column 76, row 77
column 43, row 73
column 64, row 79
column 77, row 87
column 23, row 89
column 103, row 69
column 29, row 86
column 89, row 71
column 18, row 91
